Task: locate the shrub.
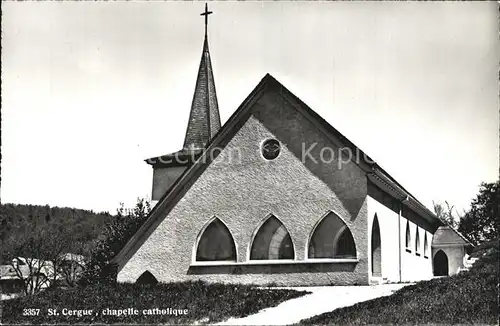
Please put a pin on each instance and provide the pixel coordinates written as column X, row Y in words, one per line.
column 116, row 234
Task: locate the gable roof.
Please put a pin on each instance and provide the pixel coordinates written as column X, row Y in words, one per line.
column 234, row 123
column 447, row 235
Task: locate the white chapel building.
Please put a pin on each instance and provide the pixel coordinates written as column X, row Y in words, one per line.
column 255, row 201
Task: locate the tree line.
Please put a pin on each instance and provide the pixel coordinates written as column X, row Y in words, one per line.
column 17, row 220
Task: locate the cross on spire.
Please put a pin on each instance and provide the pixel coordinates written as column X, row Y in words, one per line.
column 204, row 119
column 206, row 13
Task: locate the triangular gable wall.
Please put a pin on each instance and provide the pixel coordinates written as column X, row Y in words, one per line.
column 267, row 85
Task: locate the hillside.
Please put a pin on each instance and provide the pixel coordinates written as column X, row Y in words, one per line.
column 17, row 219
column 467, row 298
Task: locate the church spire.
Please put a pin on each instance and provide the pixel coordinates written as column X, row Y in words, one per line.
column 204, row 119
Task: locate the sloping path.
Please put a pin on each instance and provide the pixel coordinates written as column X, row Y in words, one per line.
column 322, row 299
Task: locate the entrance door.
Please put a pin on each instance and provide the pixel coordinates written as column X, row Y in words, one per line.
column 440, row 264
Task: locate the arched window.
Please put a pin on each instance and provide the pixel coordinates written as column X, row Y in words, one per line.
column 408, row 236
column 216, row 243
column 426, row 253
column 376, row 249
column 272, row 241
column 417, row 243
column 331, row 239
column 147, row 278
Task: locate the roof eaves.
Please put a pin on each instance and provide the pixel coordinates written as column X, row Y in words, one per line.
column 409, row 200
column 182, row 157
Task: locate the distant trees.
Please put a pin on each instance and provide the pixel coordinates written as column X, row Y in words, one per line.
column 83, row 225
column 480, row 223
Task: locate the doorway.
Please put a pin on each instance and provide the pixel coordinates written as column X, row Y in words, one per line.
column 440, row 264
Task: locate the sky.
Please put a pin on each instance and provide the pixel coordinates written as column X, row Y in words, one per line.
column 91, row 89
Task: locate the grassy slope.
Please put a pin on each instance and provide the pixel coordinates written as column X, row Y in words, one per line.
column 208, row 302
column 466, row 298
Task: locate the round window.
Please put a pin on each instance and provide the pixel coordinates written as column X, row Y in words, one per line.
column 271, row 149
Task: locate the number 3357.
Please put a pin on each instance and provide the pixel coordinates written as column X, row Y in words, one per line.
column 31, row 312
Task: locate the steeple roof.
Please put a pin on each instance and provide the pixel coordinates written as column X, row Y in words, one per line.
column 204, row 120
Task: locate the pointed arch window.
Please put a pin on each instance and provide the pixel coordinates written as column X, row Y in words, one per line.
column 216, row 243
column 147, row 278
column 408, row 237
column 426, row 244
column 272, row 241
column 331, row 239
column 376, row 249
column 417, row 243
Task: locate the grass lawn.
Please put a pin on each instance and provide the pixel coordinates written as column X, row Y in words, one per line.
column 467, row 298
column 208, row 302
